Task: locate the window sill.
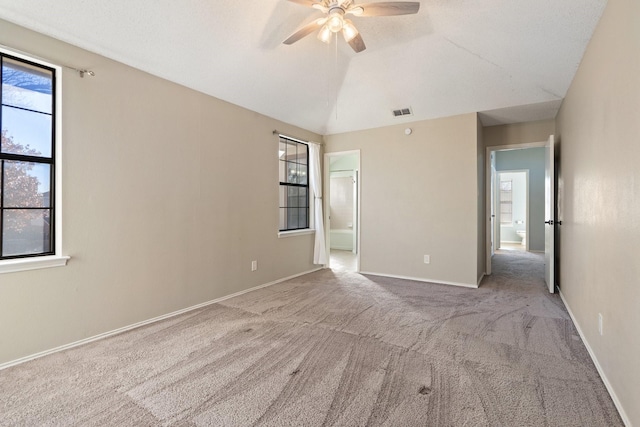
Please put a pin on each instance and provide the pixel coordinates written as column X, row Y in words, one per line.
column 283, row 234
column 23, row 264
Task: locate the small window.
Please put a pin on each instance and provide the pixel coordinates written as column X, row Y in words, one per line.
column 294, row 184
column 506, row 202
column 27, row 158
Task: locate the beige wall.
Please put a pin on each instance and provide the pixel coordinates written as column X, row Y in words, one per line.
column 482, row 224
column 599, row 133
column 419, row 197
column 168, row 196
column 518, row 133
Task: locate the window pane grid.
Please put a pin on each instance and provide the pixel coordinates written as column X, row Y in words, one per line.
column 27, row 157
column 294, row 185
column 506, row 202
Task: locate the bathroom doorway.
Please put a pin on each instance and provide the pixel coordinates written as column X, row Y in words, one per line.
column 512, row 209
column 502, row 232
column 342, row 212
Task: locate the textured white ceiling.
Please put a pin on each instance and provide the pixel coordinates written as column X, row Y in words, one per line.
column 453, row 57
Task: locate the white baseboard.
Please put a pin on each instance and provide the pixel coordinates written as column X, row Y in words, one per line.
column 605, row 380
column 342, row 248
column 144, row 322
column 420, row 279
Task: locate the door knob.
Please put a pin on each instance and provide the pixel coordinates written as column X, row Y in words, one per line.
column 550, row 222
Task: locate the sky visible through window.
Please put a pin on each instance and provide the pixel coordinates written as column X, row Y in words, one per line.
column 24, row 88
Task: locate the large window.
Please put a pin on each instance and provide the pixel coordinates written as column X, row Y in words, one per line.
column 294, row 184
column 27, row 158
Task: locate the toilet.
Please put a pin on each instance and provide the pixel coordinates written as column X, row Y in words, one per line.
column 523, row 234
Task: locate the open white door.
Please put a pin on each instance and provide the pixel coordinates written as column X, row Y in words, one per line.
column 355, row 212
column 549, row 215
column 494, row 229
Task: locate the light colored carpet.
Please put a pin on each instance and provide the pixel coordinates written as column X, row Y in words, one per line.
column 333, row 348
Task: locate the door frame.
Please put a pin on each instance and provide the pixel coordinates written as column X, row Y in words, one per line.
column 327, row 198
column 489, row 188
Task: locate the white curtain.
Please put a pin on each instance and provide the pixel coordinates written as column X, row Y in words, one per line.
column 319, row 250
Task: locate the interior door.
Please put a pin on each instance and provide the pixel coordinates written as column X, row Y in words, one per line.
column 355, row 212
column 549, row 212
column 494, row 231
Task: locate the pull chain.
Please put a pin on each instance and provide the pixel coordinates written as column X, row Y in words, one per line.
column 335, row 78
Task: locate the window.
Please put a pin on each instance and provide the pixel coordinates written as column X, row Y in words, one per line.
column 294, row 184
column 506, row 202
column 27, row 158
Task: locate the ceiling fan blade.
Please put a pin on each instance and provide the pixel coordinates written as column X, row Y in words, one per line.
column 357, row 44
column 386, row 8
column 305, row 31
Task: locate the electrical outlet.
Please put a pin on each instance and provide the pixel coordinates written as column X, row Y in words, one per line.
column 600, row 324
column 254, row 265
column 427, row 259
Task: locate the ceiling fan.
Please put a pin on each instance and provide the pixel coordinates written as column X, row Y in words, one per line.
column 335, row 21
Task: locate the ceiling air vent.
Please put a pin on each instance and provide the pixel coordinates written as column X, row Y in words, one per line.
column 402, row 112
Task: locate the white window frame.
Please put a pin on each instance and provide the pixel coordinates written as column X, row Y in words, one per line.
column 57, row 259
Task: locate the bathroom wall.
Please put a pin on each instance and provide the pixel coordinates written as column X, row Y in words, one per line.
column 341, row 203
column 341, row 211
column 533, row 160
column 343, row 163
column 519, row 206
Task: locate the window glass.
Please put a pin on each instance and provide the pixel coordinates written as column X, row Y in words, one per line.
column 26, row 231
column 27, row 132
column 26, row 184
column 506, row 202
column 26, row 158
column 293, row 159
column 26, row 86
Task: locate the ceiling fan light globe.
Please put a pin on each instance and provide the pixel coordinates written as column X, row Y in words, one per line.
column 325, row 35
column 357, row 11
column 335, row 23
column 349, row 31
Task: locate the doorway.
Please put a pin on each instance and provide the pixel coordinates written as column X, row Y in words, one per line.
column 502, row 232
column 342, row 213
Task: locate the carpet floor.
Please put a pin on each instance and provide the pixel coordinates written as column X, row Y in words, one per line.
column 333, row 348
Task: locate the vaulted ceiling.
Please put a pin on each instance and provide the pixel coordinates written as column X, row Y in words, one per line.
column 513, row 60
